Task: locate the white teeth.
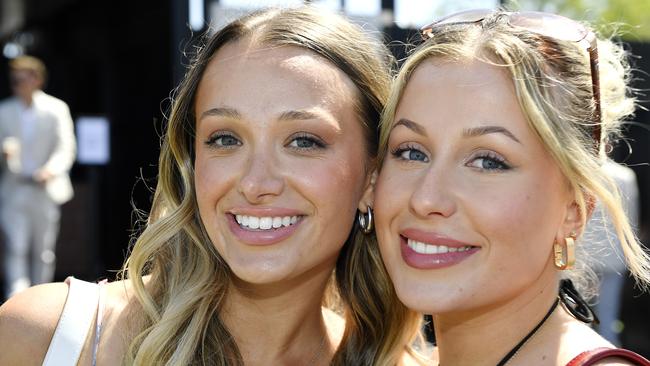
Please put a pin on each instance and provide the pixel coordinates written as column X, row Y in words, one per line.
column 424, row 248
column 265, row 223
column 277, row 222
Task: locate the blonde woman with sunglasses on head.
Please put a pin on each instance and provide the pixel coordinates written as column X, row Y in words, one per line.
column 492, row 143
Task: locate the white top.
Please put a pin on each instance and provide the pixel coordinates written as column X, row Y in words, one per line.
column 81, row 305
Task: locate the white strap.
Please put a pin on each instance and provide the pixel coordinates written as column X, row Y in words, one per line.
column 74, row 324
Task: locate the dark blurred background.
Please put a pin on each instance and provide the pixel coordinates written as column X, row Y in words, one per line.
column 121, row 59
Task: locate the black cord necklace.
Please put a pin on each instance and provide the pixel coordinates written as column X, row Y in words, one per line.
column 573, row 303
column 523, row 341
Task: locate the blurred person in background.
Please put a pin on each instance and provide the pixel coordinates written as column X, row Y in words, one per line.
column 38, row 150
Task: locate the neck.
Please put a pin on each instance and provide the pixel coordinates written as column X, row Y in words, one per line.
column 478, row 336
column 281, row 323
column 26, row 98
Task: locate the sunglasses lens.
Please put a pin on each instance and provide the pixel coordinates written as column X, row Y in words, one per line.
column 550, row 25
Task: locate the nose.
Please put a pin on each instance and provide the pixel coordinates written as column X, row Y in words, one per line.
column 434, row 195
column 261, row 180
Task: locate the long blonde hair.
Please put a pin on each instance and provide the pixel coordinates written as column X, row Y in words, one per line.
column 552, row 81
column 181, row 302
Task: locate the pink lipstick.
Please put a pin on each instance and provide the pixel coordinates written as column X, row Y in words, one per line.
column 424, row 250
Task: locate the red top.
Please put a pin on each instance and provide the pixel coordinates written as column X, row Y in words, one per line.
column 588, row 358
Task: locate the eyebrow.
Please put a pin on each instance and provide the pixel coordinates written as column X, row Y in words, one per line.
column 221, row 112
column 298, row 115
column 414, row 126
column 234, row 114
column 484, row 130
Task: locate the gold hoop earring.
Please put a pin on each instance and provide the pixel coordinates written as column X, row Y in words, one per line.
column 365, row 221
column 565, row 255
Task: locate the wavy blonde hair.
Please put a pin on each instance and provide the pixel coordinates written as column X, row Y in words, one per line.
column 189, row 281
column 552, row 81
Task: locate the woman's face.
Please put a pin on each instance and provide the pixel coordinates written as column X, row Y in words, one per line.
column 468, row 201
column 280, row 163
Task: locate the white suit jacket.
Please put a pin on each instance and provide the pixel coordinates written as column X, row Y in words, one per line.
column 55, row 147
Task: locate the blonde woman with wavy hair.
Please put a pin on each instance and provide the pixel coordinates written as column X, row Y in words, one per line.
column 491, row 146
column 265, row 163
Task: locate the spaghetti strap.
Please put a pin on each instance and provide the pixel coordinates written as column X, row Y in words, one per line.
column 100, row 317
column 74, row 324
column 588, row 358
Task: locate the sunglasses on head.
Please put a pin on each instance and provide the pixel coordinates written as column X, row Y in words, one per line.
column 544, row 24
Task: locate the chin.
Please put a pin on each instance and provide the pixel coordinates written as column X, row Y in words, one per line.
column 264, row 272
column 427, row 297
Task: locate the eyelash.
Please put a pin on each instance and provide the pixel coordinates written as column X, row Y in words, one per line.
column 399, row 150
column 501, row 163
column 317, row 143
column 212, row 140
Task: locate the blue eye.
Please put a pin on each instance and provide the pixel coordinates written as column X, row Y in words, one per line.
column 489, row 161
column 224, row 140
column 410, row 154
column 306, row 142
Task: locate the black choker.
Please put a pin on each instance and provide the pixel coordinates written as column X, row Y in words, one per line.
column 575, row 304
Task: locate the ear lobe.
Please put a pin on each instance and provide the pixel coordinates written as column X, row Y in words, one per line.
column 368, row 197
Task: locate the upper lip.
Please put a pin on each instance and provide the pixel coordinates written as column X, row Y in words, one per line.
column 433, row 238
column 265, row 211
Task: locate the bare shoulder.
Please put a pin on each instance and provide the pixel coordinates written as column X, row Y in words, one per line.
column 579, row 338
column 28, row 321
column 121, row 322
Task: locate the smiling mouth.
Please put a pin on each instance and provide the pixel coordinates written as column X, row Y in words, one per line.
column 257, row 223
column 424, row 248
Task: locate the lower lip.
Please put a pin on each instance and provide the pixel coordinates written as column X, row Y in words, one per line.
column 432, row 261
column 261, row 237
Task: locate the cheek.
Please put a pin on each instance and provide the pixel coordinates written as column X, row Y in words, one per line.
column 212, row 179
column 518, row 218
column 333, row 184
column 392, row 194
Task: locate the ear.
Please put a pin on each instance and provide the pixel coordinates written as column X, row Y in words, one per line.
column 573, row 223
column 368, row 197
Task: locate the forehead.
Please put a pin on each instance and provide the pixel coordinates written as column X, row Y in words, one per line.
column 275, row 67
column 451, row 97
column 471, row 76
column 453, row 89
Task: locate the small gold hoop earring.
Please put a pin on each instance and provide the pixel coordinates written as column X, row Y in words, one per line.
column 365, row 221
column 565, row 255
